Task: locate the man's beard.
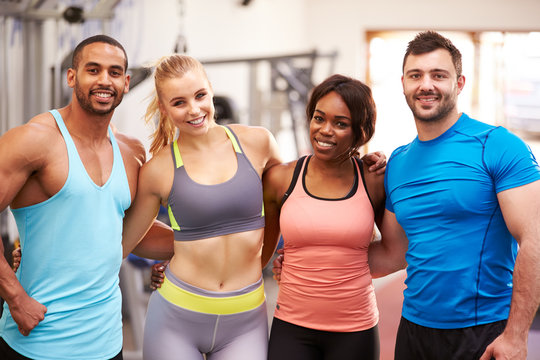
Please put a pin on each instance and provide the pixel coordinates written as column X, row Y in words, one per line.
column 446, row 105
column 86, row 104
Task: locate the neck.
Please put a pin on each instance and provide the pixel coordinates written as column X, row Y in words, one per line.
column 331, row 168
column 429, row 130
column 84, row 125
column 202, row 141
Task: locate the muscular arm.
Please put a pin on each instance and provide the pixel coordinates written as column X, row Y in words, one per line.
column 521, row 210
column 21, row 156
column 388, row 254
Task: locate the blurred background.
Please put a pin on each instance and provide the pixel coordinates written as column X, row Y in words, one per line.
column 262, row 58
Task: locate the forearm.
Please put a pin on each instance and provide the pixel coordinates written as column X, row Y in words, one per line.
column 383, row 260
column 526, row 290
column 10, row 288
column 158, row 243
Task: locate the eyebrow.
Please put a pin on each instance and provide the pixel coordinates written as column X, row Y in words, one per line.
column 429, row 71
column 336, row 117
column 182, row 97
column 91, row 63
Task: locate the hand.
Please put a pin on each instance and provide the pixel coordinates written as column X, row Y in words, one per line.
column 157, row 274
column 16, row 254
column 376, row 161
column 27, row 313
column 506, row 348
column 278, row 264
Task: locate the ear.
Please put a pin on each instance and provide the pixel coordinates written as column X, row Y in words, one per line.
column 71, row 75
column 402, row 84
column 126, row 85
column 460, row 83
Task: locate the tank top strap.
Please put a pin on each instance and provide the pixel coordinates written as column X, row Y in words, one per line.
column 64, row 131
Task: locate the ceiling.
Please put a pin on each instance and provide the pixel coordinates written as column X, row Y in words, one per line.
column 70, row 10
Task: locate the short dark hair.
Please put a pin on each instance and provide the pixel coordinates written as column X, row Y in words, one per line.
column 428, row 41
column 96, row 39
column 357, row 96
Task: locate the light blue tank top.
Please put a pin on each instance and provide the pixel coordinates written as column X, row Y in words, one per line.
column 71, row 256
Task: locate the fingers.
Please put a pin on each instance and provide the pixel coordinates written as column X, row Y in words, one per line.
column 157, row 275
column 16, row 254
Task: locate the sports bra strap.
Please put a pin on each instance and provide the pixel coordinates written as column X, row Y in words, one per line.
column 178, row 157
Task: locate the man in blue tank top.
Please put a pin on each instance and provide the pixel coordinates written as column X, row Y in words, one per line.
column 68, row 180
column 467, row 197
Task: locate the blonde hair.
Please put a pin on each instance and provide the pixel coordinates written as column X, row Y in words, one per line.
column 168, row 67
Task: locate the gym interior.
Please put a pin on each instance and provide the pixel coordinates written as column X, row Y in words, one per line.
column 262, row 58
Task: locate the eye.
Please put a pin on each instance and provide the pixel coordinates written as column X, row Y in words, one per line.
column 92, row 70
column 342, row 124
column 116, row 73
column 178, row 103
column 317, row 118
column 200, row 95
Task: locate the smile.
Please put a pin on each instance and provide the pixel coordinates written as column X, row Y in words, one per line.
column 323, row 143
column 196, row 121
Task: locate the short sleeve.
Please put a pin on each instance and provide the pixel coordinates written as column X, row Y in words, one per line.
column 509, row 160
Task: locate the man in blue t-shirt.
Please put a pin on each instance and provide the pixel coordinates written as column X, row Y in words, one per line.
column 466, row 195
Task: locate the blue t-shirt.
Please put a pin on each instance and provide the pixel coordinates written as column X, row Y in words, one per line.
column 444, row 194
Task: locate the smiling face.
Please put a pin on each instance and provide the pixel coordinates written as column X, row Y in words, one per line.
column 100, row 80
column 431, row 86
column 330, row 128
column 188, row 101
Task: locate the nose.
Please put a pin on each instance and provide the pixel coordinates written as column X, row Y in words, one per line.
column 326, row 128
column 194, row 109
column 426, row 83
column 104, row 78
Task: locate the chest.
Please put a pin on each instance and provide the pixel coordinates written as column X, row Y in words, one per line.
column 308, row 221
column 440, row 183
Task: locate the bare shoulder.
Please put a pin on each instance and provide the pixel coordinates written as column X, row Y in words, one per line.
column 278, row 178
column 259, row 144
column 30, row 140
column 375, row 187
column 158, row 172
column 252, row 134
column 131, row 147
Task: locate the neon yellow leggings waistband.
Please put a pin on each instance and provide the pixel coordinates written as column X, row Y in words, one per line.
column 212, row 305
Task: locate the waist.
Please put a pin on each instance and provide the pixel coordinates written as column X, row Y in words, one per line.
column 196, row 299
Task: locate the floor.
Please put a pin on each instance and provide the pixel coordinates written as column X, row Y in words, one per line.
column 389, row 292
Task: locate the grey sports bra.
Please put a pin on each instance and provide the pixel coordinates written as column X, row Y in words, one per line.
column 198, row 211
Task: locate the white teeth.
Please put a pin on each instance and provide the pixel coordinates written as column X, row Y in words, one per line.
column 196, row 122
column 324, row 144
column 103, row 95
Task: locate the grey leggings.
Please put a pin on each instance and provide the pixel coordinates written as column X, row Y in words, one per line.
column 174, row 332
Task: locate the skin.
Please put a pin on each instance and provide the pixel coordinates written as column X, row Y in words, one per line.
column 221, row 263
column 434, row 73
column 30, row 175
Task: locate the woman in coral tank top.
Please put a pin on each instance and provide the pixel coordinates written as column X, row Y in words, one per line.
column 325, row 205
